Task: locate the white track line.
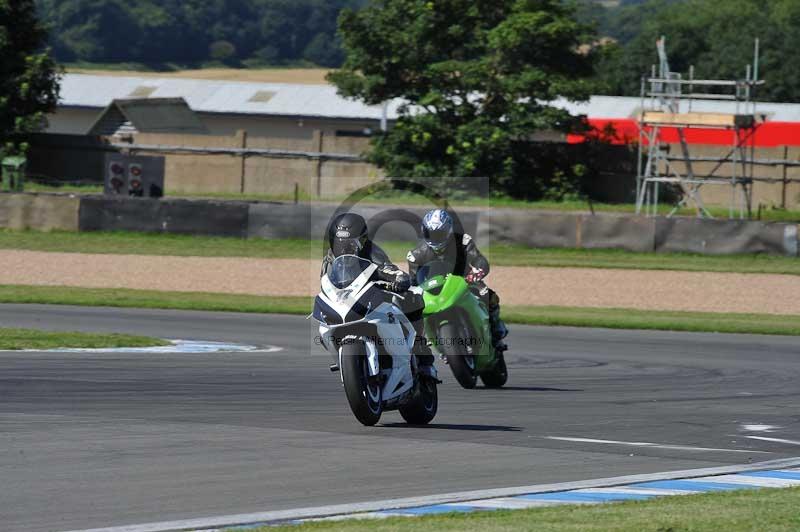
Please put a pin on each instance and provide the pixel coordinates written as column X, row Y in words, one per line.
column 760, row 428
column 776, row 440
column 763, row 482
column 653, row 445
column 176, row 347
column 507, row 503
column 655, row 492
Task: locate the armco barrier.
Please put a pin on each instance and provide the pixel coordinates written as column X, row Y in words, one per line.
column 213, row 218
column 284, row 220
column 632, row 233
column 635, row 233
column 725, row 236
column 276, row 220
column 528, row 228
column 287, row 220
column 45, row 212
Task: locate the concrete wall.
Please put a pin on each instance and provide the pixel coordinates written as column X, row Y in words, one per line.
column 264, row 175
column 198, row 173
column 45, row 212
column 59, row 157
column 210, row 218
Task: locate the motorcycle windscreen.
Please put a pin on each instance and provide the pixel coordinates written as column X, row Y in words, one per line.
column 346, row 269
column 437, row 268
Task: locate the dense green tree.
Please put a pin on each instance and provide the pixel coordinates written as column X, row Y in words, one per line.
column 477, row 76
column 28, row 77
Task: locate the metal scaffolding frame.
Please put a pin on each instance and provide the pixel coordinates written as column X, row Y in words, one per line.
column 665, row 104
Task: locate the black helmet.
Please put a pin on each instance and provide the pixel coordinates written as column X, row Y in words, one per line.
column 348, row 234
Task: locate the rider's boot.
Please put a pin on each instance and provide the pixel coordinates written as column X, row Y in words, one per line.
column 499, row 329
column 413, row 308
column 425, row 359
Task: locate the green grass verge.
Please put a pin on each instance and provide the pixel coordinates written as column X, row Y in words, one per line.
column 499, row 254
column 129, row 243
column 15, row 339
column 65, row 188
column 773, row 510
column 612, row 318
column 508, row 255
column 562, row 316
column 125, row 298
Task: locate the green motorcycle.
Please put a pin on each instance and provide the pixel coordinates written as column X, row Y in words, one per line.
column 457, row 323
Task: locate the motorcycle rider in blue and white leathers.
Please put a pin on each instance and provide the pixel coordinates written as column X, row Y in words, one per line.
column 440, row 242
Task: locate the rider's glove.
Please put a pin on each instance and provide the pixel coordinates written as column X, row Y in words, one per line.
column 401, row 285
column 476, row 275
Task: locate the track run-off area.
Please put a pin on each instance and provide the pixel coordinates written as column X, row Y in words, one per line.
column 99, row 439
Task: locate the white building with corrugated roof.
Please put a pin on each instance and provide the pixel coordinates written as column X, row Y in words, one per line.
column 222, row 107
column 294, row 110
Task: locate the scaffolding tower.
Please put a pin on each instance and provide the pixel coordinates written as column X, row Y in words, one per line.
column 669, row 101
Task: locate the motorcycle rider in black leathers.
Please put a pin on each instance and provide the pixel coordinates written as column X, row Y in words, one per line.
column 440, row 242
column 348, row 235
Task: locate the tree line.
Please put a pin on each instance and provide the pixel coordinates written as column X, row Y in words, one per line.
column 193, row 32
column 481, row 70
column 716, row 37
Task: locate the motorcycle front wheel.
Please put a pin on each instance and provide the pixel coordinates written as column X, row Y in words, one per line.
column 461, row 362
column 364, row 396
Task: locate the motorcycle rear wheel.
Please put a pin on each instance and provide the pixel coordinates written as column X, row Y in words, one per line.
column 498, row 376
column 421, row 409
column 365, row 398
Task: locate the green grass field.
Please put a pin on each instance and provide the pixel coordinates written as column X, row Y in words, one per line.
column 776, row 510
column 562, row 316
column 16, row 339
column 498, row 254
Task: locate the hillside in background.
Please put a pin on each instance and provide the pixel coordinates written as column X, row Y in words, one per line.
column 194, row 32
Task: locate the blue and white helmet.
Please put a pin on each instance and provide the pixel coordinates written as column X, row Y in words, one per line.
column 437, row 229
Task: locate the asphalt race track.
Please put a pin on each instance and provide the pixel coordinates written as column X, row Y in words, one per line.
column 98, row 439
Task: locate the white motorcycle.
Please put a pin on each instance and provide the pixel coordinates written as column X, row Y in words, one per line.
column 364, row 328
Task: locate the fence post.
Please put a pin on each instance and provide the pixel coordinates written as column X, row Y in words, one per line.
column 242, row 134
column 784, row 181
column 318, row 147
